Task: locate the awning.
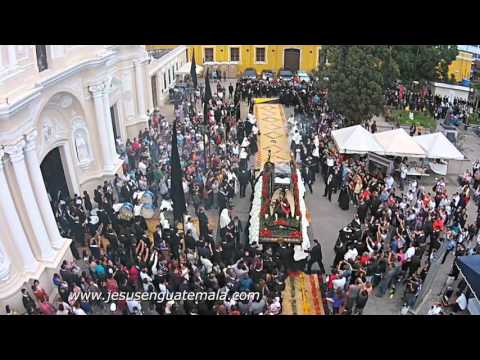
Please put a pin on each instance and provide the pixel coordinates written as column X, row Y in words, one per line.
column 469, row 267
column 185, row 69
column 437, row 146
column 356, row 140
column 265, row 100
column 398, row 143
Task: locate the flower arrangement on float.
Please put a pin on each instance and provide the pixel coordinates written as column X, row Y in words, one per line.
column 264, row 225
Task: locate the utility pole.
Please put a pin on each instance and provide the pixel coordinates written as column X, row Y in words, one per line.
column 427, row 286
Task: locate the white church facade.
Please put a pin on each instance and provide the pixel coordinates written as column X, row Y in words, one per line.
column 71, row 103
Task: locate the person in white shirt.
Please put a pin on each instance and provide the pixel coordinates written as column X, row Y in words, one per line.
column 146, row 279
column 207, row 263
column 185, row 186
column 189, row 226
column 62, row 310
column 77, row 310
column 436, row 309
column 142, row 167
column 297, row 138
column 339, row 283
column 235, row 150
column 410, row 252
column 274, row 307
column 413, row 186
column 330, row 161
column 389, row 182
column 460, row 302
column 291, row 120
column 225, row 218
column 403, row 175
column 351, row 254
column 245, row 143
column 134, row 307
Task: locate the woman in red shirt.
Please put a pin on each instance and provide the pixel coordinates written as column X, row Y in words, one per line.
column 39, row 293
column 426, row 200
column 136, row 145
column 133, row 276
column 364, row 259
column 46, row 308
column 438, row 224
column 365, row 194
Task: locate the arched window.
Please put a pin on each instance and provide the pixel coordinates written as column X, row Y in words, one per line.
column 41, row 57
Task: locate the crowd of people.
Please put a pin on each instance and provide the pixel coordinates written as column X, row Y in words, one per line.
column 395, row 233
column 114, row 252
column 421, row 98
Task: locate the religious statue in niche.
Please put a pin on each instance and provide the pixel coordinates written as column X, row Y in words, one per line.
column 4, row 265
column 66, row 101
column 47, row 131
column 81, row 145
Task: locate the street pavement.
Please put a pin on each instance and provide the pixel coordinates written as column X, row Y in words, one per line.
column 328, row 219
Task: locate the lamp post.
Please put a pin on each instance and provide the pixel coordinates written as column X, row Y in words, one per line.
column 204, row 136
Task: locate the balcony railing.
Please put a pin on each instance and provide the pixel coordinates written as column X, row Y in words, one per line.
column 158, row 53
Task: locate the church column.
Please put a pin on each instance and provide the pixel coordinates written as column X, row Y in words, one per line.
column 12, row 221
column 41, row 192
column 5, row 264
column 140, row 85
column 98, row 93
column 12, row 56
column 108, row 122
column 26, row 193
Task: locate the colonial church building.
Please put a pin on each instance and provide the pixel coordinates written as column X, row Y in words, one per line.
column 62, row 110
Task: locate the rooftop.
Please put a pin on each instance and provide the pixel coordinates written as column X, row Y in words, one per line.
column 158, row 53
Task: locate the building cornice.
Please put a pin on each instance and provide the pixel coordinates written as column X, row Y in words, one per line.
column 84, row 65
column 156, row 65
column 8, row 110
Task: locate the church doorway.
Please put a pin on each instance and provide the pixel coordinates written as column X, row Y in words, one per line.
column 54, row 175
column 292, row 59
column 115, row 124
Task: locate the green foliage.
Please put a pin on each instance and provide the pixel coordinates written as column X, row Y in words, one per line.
column 474, row 118
column 355, row 81
column 419, row 118
column 356, row 76
column 423, row 62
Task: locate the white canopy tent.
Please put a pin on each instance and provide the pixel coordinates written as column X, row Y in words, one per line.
column 398, row 143
column 356, row 140
column 185, row 69
column 437, row 146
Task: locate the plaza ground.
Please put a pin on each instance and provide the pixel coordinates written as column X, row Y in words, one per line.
column 328, row 219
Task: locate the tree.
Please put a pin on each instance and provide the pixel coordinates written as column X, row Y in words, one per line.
column 423, row 63
column 357, row 76
column 389, row 66
column 355, row 80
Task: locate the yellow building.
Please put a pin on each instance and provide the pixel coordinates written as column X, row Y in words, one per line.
column 461, row 67
column 259, row 57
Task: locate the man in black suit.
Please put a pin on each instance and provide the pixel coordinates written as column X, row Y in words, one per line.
column 307, row 177
column 362, row 211
column 203, row 223
column 244, row 179
column 315, row 257
column 329, row 187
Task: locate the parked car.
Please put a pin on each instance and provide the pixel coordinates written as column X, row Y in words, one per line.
column 267, row 74
column 303, row 76
column 177, row 92
column 285, row 74
column 250, row 73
